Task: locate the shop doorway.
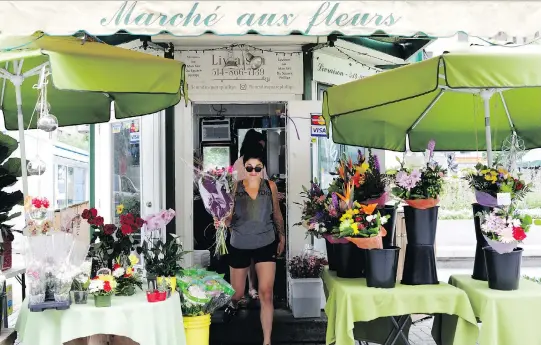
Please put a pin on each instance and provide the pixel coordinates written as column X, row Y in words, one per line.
column 219, row 130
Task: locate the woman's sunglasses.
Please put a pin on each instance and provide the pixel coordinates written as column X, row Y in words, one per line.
column 250, row 168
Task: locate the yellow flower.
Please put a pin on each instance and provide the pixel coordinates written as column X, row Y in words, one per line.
column 355, row 228
column 133, row 259
column 129, row 271
column 484, row 171
column 119, row 209
column 355, row 211
column 363, row 168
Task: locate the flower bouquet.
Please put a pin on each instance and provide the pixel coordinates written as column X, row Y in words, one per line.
column 111, row 241
column 372, row 189
column 38, row 221
column 362, row 225
column 306, row 266
column 419, row 182
column 216, row 189
column 419, row 185
column 126, row 277
column 504, row 229
column 489, row 182
column 102, row 287
column 313, row 210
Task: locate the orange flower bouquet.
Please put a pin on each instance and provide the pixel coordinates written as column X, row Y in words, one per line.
column 362, row 225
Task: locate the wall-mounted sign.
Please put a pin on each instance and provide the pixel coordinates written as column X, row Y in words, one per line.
column 240, row 71
column 317, row 127
column 135, row 137
column 333, row 70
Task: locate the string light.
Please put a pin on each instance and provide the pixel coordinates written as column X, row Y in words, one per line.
column 367, row 66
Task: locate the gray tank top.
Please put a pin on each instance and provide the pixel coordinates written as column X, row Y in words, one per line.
column 252, row 225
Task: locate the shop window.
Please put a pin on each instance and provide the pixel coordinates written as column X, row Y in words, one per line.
column 329, row 152
column 126, row 167
column 216, row 157
column 70, row 186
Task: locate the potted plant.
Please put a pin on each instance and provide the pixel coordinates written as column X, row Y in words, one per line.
column 306, row 285
column 11, row 171
column 362, row 226
column 126, row 277
column 488, row 183
column 102, row 287
column 504, row 229
column 162, row 259
column 79, row 288
column 419, row 182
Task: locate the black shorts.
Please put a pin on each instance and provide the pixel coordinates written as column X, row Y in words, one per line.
column 242, row 258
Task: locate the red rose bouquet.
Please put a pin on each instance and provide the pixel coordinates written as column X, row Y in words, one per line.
column 112, row 241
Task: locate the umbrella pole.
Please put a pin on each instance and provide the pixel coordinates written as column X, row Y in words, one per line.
column 486, row 95
column 20, row 123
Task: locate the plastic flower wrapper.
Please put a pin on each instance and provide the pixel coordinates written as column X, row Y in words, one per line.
column 198, row 286
column 216, row 190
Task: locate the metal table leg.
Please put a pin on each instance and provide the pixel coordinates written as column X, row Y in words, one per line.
column 5, row 306
column 398, row 330
column 22, row 281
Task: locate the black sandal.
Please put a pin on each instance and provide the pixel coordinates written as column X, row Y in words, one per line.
column 230, row 312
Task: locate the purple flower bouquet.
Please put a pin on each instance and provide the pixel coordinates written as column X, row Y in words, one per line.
column 216, row 190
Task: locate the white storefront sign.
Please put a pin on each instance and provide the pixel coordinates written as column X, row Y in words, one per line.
column 243, row 71
column 193, row 18
column 332, row 70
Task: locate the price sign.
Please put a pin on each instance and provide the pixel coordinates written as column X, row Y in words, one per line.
column 504, row 199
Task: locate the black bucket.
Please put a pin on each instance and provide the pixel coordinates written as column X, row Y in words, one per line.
column 389, row 240
column 479, row 263
column 350, row 261
column 503, row 270
column 381, row 267
column 331, row 255
column 420, row 258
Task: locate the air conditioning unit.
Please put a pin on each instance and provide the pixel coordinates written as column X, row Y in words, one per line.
column 215, row 130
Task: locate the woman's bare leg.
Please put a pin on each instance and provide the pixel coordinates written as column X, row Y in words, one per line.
column 265, row 278
column 238, row 282
column 252, row 276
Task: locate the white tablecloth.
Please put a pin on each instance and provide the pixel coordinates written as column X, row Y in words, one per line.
column 133, row 317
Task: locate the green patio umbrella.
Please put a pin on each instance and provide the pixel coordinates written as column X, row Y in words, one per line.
column 85, row 77
column 465, row 102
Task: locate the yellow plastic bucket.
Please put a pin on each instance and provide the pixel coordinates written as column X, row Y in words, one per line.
column 197, row 329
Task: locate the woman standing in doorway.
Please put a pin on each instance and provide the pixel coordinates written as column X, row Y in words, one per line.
column 257, row 235
column 252, row 139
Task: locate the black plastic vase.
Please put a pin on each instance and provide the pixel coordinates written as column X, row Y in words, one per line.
column 503, row 270
column 350, row 261
column 381, row 267
column 390, row 239
column 479, row 264
column 331, row 256
column 420, row 259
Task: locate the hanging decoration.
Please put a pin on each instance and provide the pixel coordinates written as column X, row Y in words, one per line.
column 36, row 166
column 47, row 122
column 513, row 150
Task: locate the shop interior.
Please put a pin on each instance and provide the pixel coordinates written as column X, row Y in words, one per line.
column 219, row 130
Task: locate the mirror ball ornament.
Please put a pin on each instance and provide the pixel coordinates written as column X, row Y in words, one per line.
column 36, row 166
column 47, row 123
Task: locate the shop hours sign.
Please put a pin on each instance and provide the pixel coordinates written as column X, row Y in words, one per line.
column 243, row 70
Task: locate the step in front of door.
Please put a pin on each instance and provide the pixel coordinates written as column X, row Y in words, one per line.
column 245, row 329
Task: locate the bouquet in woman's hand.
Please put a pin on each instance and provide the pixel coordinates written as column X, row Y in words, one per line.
column 216, row 189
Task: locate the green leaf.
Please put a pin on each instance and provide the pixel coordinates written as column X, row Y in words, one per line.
column 8, row 145
column 527, row 220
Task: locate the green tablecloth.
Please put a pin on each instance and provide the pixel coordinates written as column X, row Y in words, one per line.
column 508, row 317
column 133, row 317
column 350, row 301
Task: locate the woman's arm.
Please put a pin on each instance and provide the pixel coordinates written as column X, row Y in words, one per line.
column 277, row 213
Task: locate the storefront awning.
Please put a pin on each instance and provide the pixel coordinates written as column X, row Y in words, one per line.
column 316, row 18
